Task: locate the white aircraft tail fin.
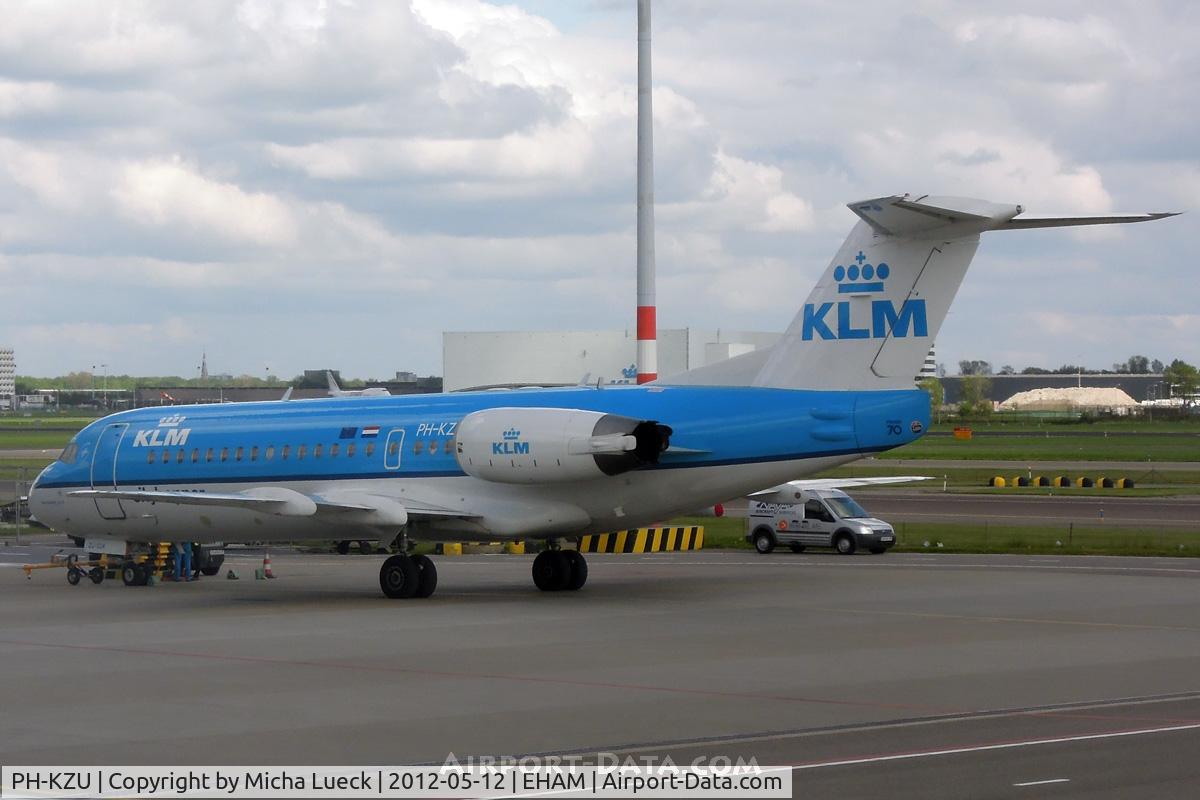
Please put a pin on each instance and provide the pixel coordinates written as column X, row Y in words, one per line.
column 873, row 315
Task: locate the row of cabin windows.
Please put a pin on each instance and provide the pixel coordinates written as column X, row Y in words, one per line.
column 301, row 452
column 267, row 454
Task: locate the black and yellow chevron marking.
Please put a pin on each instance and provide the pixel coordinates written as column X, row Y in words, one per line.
column 644, row 540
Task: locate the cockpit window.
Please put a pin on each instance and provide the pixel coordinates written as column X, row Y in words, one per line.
column 69, row 453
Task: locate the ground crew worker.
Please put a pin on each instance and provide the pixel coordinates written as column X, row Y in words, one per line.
column 183, row 561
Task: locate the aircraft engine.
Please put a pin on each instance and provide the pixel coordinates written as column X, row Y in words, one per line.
column 555, row 445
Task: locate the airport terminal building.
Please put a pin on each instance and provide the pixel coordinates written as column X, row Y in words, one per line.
column 493, row 359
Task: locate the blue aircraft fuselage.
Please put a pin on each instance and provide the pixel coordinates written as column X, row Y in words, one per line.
column 725, row 441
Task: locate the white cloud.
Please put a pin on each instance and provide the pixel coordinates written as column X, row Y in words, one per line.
column 169, row 193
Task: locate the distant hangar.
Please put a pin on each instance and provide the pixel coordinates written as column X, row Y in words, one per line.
column 502, row 359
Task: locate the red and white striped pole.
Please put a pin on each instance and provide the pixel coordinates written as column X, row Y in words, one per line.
column 647, row 323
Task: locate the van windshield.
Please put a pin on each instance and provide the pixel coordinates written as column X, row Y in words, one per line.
column 846, row 508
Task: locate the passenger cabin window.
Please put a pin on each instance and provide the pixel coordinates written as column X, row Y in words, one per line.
column 208, row 456
column 179, row 456
column 300, row 452
column 433, row 447
column 285, row 452
column 195, row 455
column 237, row 454
column 333, row 450
column 149, row 456
column 166, row 456
column 418, row 447
column 224, row 454
column 270, row 453
column 254, row 453
column 316, row 451
column 370, row 449
column 350, row 450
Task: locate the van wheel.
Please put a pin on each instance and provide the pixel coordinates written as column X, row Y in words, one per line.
column 764, row 541
column 844, row 544
column 796, row 548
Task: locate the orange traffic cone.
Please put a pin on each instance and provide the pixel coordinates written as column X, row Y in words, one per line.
column 267, row 566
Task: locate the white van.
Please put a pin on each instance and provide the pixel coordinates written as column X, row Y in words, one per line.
column 820, row 518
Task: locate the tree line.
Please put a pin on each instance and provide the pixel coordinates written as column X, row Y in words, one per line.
column 1134, row 365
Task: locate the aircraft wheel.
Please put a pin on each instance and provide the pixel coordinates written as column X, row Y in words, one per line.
column 551, row 571
column 130, row 573
column 577, row 569
column 342, row 548
column 796, row 548
column 365, row 548
column 844, row 544
column 399, row 577
column 73, row 576
column 764, row 541
column 427, row 576
column 96, row 574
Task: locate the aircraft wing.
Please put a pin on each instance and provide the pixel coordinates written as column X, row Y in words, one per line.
column 837, row 483
column 349, row 507
column 269, row 500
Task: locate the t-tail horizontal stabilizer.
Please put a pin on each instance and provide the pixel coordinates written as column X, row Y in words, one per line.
column 875, row 312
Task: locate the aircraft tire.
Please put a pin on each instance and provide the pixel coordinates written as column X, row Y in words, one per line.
column 342, row 547
column 844, row 544
column 796, row 548
column 365, row 547
column 399, row 578
column 551, row 571
column 764, row 541
column 577, row 569
column 427, row 576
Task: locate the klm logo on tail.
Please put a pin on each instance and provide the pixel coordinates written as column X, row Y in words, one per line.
column 861, row 278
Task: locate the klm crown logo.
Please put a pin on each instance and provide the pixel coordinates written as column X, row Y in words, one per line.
column 171, row 421
column 510, row 446
column 879, row 319
column 861, row 277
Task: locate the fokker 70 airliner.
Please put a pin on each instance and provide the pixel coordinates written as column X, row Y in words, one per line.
column 548, row 464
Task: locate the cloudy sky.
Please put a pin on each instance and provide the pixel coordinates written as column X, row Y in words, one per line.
column 335, row 182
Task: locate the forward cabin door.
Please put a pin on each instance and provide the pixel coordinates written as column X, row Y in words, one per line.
column 104, row 468
column 393, row 449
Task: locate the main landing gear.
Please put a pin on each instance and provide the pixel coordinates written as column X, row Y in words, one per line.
column 556, row 570
column 405, row 576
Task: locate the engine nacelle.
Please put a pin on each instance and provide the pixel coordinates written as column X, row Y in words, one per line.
column 555, row 445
